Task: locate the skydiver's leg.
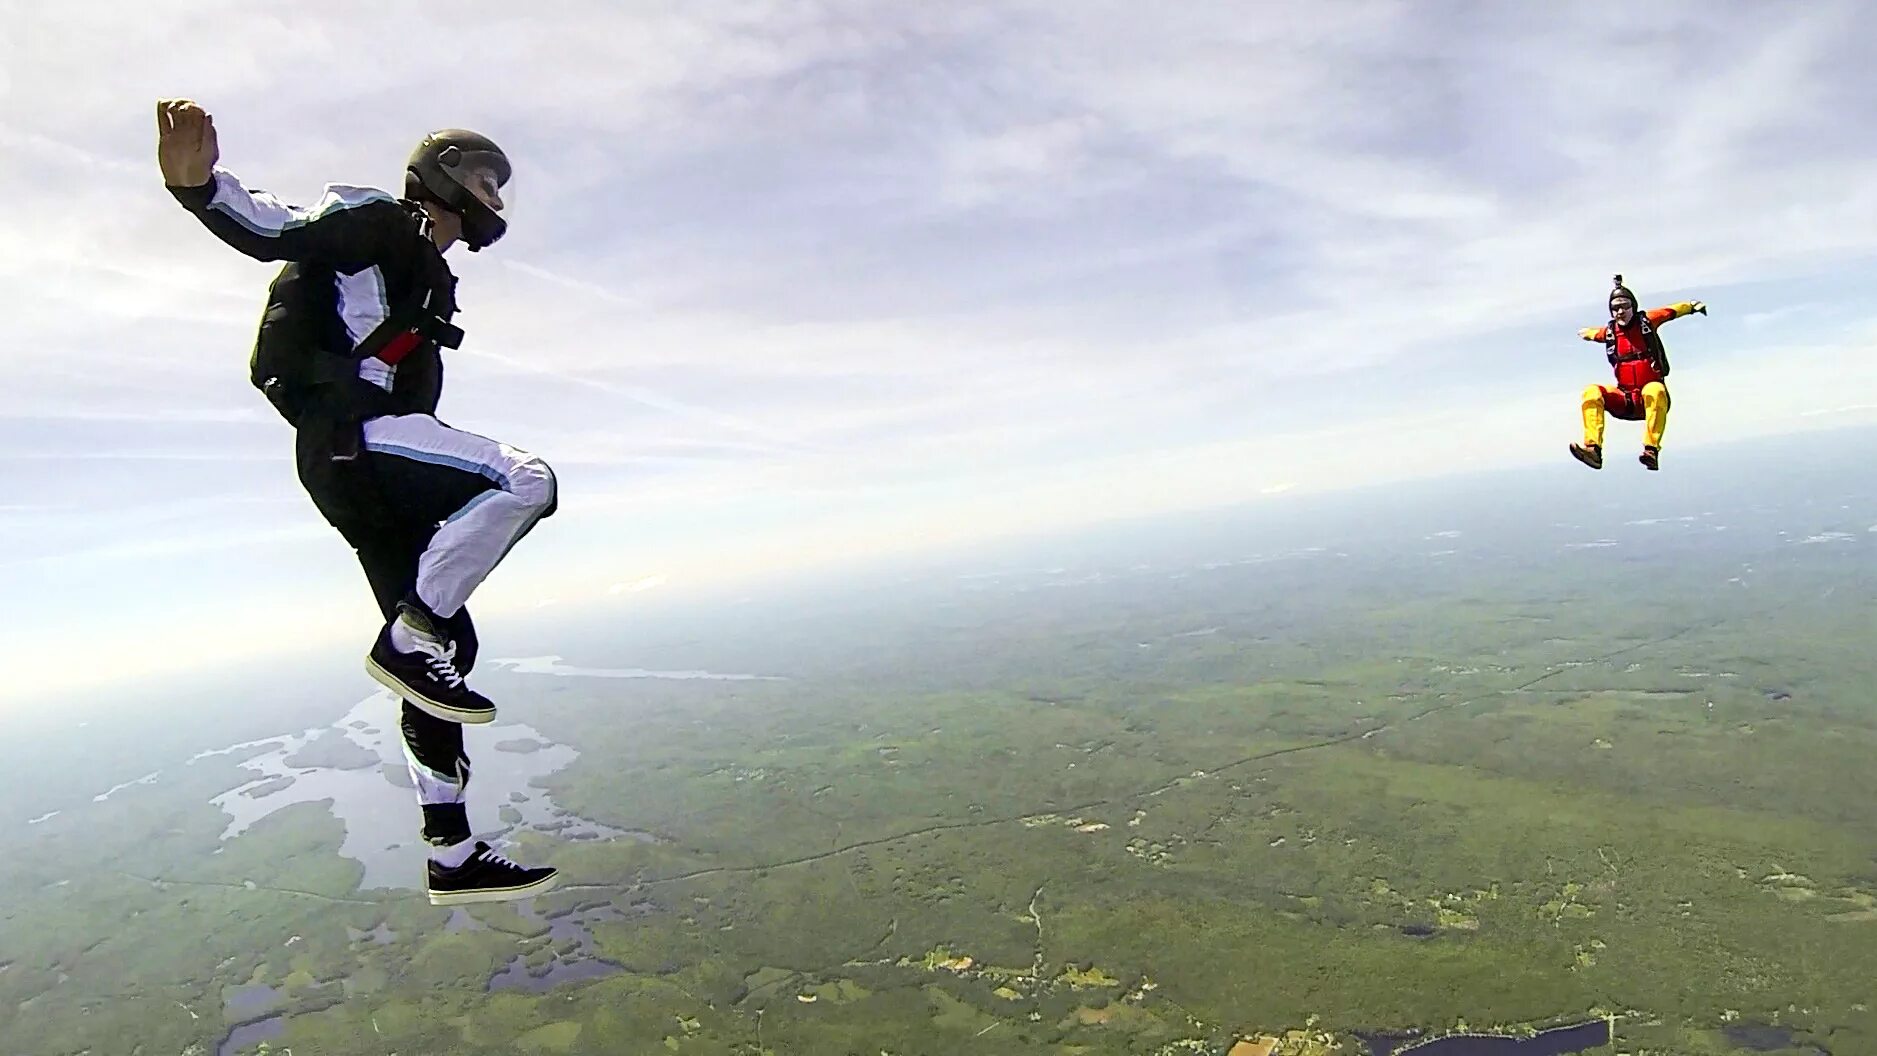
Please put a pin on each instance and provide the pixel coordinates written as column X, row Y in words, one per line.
column 1594, row 397
column 486, row 494
column 431, row 490
column 1590, row 452
column 1655, row 422
column 1655, row 413
column 433, row 747
column 479, row 497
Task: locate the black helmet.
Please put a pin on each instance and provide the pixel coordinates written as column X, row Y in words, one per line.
column 444, row 167
column 1624, row 292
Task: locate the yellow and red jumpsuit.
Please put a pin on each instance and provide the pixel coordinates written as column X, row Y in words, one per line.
column 1640, row 394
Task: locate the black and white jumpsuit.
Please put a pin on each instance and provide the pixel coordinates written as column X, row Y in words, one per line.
column 430, row 510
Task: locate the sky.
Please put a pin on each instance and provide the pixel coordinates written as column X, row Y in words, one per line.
column 789, row 285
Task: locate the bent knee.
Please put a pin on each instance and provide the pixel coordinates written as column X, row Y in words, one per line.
column 1593, row 394
column 533, row 481
column 1654, row 392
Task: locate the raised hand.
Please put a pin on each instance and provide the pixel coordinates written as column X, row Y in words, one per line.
column 186, row 149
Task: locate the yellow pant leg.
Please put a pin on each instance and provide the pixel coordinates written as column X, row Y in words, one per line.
column 1593, row 416
column 1655, row 413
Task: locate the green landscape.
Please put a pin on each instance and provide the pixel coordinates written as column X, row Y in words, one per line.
column 1256, row 789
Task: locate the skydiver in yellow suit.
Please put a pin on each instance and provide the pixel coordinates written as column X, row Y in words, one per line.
column 1635, row 350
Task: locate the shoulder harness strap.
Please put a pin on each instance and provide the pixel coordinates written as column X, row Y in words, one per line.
column 412, row 320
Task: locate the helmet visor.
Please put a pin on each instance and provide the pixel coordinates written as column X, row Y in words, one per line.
column 484, row 174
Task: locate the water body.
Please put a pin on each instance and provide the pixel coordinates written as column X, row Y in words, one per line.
column 382, row 935
column 1761, row 1037
column 575, row 955
column 551, row 665
column 460, row 920
column 1560, row 1041
column 378, row 825
column 248, row 1035
column 368, row 789
column 240, row 1001
column 115, row 789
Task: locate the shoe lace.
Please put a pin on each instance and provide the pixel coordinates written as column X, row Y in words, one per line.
column 443, row 664
column 490, row 855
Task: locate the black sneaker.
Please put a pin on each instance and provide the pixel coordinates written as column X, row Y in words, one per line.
column 1650, row 456
column 486, row 876
column 427, row 678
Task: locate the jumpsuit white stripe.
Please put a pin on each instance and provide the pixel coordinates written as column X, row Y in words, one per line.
column 475, row 538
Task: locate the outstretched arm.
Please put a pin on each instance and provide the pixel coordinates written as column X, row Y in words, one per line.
column 345, row 229
column 1658, row 316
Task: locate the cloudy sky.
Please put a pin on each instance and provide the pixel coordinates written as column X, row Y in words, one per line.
column 794, row 283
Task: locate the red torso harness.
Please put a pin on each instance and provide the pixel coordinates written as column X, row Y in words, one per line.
column 1636, row 352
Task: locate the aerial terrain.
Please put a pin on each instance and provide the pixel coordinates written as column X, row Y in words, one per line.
column 1340, row 773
